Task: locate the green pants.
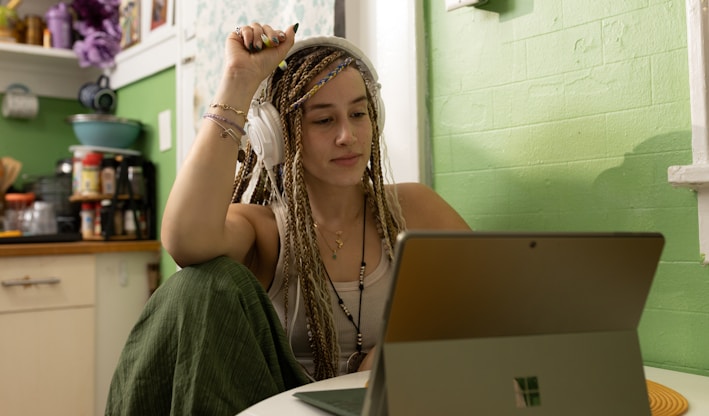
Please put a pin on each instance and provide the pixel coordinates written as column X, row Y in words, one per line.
column 207, row 343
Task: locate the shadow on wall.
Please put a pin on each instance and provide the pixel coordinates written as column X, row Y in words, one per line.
column 579, row 193
column 636, row 194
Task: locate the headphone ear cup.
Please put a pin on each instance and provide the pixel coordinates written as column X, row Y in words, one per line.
column 265, row 134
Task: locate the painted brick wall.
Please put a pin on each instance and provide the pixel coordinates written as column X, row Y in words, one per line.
column 565, row 116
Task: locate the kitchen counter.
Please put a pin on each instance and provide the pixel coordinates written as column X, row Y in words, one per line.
column 78, row 247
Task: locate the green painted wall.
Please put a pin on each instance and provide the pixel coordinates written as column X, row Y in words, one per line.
column 566, row 116
column 39, row 143
column 145, row 100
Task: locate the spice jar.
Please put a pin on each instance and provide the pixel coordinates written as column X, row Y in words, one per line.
column 35, row 30
column 90, row 178
column 87, row 220
column 108, row 176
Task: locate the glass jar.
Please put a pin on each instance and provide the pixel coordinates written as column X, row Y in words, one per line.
column 18, row 211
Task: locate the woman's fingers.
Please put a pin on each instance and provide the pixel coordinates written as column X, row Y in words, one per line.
column 256, row 37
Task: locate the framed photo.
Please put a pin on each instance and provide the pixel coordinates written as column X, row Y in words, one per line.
column 161, row 13
column 129, row 21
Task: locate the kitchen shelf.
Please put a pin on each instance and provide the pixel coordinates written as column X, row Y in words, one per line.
column 112, row 238
column 48, row 72
column 99, row 197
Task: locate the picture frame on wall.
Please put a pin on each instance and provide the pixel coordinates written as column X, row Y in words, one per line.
column 129, row 21
column 161, row 13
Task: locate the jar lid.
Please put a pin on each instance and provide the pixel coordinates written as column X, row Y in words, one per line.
column 92, row 158
column 27, row 197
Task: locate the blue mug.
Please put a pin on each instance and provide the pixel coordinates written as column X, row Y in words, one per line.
column 98, row 96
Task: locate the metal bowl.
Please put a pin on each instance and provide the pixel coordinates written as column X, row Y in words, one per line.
column 105, row 130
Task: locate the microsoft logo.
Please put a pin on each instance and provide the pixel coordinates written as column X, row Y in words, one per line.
column 527, row 392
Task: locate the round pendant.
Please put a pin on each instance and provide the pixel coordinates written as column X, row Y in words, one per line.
column 354, row 361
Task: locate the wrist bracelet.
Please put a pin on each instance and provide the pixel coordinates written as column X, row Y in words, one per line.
column 230, row 108
column 228, row 132
column 225, row 120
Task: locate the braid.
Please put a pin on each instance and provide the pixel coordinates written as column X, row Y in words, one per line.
column 302, row 259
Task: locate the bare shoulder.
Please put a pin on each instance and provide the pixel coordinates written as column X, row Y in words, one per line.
column 423, row 208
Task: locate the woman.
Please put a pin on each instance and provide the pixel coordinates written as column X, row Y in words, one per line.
column 317, row 228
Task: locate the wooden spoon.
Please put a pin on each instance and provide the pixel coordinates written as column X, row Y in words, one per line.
column 12, row 169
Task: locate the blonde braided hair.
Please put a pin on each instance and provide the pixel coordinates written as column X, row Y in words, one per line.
column 301, row 252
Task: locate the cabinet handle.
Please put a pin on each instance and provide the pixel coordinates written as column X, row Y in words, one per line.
column 28, row 282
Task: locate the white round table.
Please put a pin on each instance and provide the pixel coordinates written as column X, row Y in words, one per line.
column 693, row 387
column 285, row 404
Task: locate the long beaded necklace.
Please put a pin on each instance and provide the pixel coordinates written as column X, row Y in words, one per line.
column 356, row 358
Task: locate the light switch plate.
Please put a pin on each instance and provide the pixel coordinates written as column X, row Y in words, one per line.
column 456, row 4
column 165, row 130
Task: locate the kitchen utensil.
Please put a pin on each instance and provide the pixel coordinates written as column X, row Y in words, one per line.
column 12, row 169
column 105, row 130
column 19, row 102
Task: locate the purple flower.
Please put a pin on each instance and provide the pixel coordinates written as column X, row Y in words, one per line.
column 97, row 49
column 99, row 31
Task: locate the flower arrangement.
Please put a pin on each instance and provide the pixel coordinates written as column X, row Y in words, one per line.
column 96, row 23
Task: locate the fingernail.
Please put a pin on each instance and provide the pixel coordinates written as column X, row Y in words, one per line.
column 275, row 41
column 281, row 36
column 295, row 28
column 251, row 48
column 266, row 41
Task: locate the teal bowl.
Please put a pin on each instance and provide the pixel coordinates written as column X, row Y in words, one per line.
column 105, row 130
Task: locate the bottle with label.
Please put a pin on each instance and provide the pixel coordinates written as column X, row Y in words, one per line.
column 135, row 177
column 129, row 225
column 87, row 220
column 90, row 178
column 108, row 176
column 76, row 171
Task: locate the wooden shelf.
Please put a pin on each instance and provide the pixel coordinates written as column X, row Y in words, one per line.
column 100, row 197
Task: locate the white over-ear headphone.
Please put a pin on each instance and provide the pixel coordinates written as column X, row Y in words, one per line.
column 264, row 127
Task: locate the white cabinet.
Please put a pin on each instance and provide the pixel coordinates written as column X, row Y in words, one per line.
column 63, row 322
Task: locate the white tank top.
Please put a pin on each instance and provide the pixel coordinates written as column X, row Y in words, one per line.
column 377, row 284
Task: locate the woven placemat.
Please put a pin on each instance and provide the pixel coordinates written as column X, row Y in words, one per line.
column 664, row 401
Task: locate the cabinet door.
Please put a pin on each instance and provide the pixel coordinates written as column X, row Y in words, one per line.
column 46, row 362
column 47, row 335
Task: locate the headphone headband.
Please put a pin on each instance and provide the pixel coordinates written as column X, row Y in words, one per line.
column 336, row 42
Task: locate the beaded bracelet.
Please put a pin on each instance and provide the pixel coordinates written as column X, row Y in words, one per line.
column 226, row 131
column 225, row 120
column 230, row 108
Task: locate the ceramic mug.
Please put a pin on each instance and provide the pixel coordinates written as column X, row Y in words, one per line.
column 19, row 102
column 98, row 96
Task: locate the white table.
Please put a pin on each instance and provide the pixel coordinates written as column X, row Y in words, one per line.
column 693, row 387
column 285, row 404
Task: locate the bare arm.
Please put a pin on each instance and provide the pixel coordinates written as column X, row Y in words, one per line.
column 195, row 225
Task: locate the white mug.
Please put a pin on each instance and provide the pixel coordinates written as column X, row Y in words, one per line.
column 19, row 102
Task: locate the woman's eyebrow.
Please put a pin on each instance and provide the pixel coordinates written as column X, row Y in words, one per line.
column 317, row 106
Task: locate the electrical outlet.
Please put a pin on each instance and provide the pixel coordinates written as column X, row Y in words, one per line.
column 456, row 4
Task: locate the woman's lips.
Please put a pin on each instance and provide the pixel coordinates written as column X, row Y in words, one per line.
column 347, row 160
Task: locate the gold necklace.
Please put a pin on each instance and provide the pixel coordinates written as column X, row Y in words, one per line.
column 339, row 241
